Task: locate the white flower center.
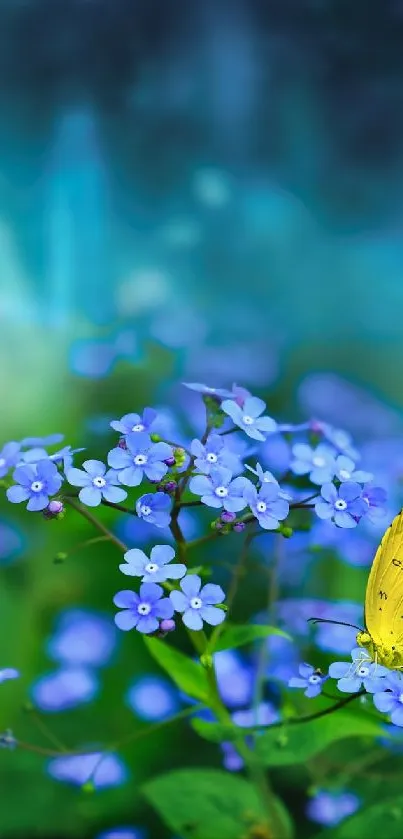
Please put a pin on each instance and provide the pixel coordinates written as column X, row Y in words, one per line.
column 401, row 698
column 363, row 671
column 340, row 504
column 99, row 482
column 151, row 568
column 196, row 603
column 344, row 474
column 366, row 499
column 261, row 507
column 2, row 462
column 318, row 461
column 314, row 679
column 247, row 420
column 138, row 427
column 144, row 608
column 140, row 459
column 36, row 486
column 211, row 457
column 222, row 492
column 144, row 510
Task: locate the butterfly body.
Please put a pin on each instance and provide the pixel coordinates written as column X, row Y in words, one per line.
column 383, row 636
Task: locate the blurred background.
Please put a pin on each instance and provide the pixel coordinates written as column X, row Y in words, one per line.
column 188, row 192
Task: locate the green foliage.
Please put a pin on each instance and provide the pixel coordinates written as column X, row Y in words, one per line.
column 187, row 674
column 385, row 818
column 233, row 636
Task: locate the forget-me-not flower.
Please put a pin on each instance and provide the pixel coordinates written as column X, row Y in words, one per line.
column 213, row 454
column 389, row 697
column 363, row 672
column 219, row 490
column 346, row 471
column 267, row 504
column 375, row 498
column 198, row 604
column 141, row 457
column 8, row 673
column 319, row 462
column 144, row 610
column 344, row 505
column 35, row 484
column 155, row 508
column 135, row 423
column 156, row 569
column 331, row 807
column 248, row 417
column 310, row 679
column 9, row 456
column 97, row 483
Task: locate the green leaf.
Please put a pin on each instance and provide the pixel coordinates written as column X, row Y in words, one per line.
column 215, row 732
column 211, row 804
column 233, row 636
column 186, row 673
column 382, row 819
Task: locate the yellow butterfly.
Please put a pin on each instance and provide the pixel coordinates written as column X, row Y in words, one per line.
column 383, row 637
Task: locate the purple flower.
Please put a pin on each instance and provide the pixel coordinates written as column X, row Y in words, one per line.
column 155, row 569
column 219, row 490
column 330, row 808
column 319, row 462
column 35, row 484
column 267, row 504
column 375, row 498
column 362, row 672
column 345, row 505
column 142, row 611
column 310, row 679
column 141, row 457
column 389, row 697
column 8, row 673
column 213, row 454
column 346, row 471
column 154, row 508
column 248, row 417
column 9, row 455
column 198, row 604
column 96, row 483
column 135, row 423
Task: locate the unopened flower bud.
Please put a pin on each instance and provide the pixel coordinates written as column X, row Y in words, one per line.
column 167, row 625
column 180, row 456
column 54, row 509
column 217, row 525
column 227, row 517
column 170, row 486
column 122, row 443
column 170, row 461
column 239, row 527
column 155, row 438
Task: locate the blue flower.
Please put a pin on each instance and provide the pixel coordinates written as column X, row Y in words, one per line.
column 330, row 808
column 319, row 462
column 154, row 508
column 140, row 457
column 9, row 456
column 375, row 498
column 82, row 637
column 198, row 604
column 35, row 484
column 267, row 504
column 155, row 569
column 152, row 698
column 50, row 440
column 219, row 490
column 122, row 832
column 264, row 714
column 102, row 770
column 345, row 505
column 309, row 678
column 235, row 678
column 205, row 390
column 248, row 417
column 97, row 483
column 213, row 454
column 266, row 477
column 36, row 454
column 389, row 697
column 346, row 471
column 363, row 672
column 338, row 437
column 9, row 673
column 135, row 423
column 65, row 689
column 142, row 611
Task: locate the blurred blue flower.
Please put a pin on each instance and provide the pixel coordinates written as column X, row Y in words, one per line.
column 8, row 673
column 276, row 453
column 135, row 422
column 346, row 471
column 123, row 832
column 294, row 614
column 205, row 390
column 11, row 543
column 138, row 531
column 232, row 760
column 82, row 637
column 363, row 672
column 249, row 419
column 142, row 611
column 267, row 504
column 344, row 506
column 97, row 483
column 154, row 508
column 375, row 498
column 92, row 359
column 310, row 679
column 283, row 658
column 340, row 439
column 7, row 740
column 103, row 770
column 264, row 714
column 152, row 698
column 9, row 456
column 219, row 490
column 213, row 454
column 50, row 440
column 198, row 604
column 388, row 698
column 156, row 569
column 235, row 678
column 35, row 484
column 65, row 689
column 330, row 808
column 140, row 457
column 319, row 462
column 65, row 456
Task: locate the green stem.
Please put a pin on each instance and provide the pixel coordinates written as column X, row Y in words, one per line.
column 309, row 717
column 96, row 523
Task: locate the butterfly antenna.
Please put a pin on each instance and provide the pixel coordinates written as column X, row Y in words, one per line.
column 339, row 623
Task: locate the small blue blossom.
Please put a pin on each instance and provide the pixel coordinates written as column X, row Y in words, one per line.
column 154, row 508
column 97, row 483
column 140, row 457
column 152, row 698
column 8, row 673
column 213, row 454
column 338, row 437
column 35, row 484
column 219, row 490
column 142, row 611
column 311, row 679
column 9, row 456
column 82, row 638
column 318, row 461
column 375, row 498
column 134, row 423
column 264, row 714
column 102, row 770
column 388, row 698
column 345, row 505
column 50, row 440
column 65, row 456
column 205, row 390
column 156, row 569
column 330, row 808
column 122, row 832
column 198, row 604
column 65, row 688
column 266, row 477
column 267, row 504
column 346, row 471
column 363, row 672
column 248, row 417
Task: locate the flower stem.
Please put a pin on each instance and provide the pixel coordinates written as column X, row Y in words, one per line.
column 96, row 523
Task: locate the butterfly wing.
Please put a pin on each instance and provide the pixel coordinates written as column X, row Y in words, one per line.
column 384, row 595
